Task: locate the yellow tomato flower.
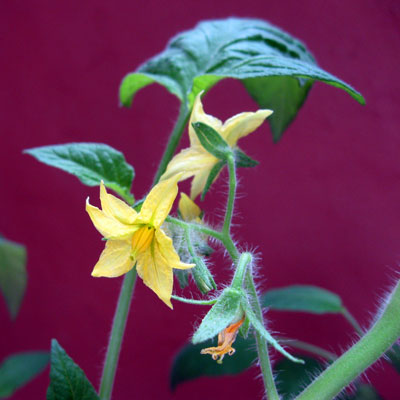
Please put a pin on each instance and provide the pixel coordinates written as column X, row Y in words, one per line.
column 189, row 210
column 196, row 161
column 225, row 341
column 138, row 238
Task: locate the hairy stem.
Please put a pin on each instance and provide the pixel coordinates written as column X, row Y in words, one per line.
column 193, row 301
column 384, row 332
column 262, row 348
column 117, row 333
column 173, row 141
column 231, row 198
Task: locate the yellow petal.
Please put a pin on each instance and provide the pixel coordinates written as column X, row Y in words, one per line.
column 108, row 226
column 200, row 181
column 198, row 115
column 242, row 124
column 156, row 273
column 115, row 259
column 189, row 162
column 158, row 202
column 114, row 207
column 166, row 249
column 189, row 210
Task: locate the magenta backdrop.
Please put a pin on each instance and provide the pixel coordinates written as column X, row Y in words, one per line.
column 322, row 208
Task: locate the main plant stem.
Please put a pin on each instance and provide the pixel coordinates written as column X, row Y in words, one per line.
column 262, row 348
column 365, row 352
column 117, row 333
column 173, row 141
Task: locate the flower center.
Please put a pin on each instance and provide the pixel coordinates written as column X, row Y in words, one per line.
column 142, row 238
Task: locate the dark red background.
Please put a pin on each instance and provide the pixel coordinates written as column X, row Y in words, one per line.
column 322, row 208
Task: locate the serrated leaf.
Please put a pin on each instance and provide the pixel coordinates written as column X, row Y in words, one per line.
column 211, row 140
column 189, row 364
column 260, row 328
column 224, row 311
column 304, row 298
column 90, row 163
column 67, row 380
column 18, row 369
column 242, row 160
column 292, row 378
column 13, row 276
column 236, row 48
column 216, row 169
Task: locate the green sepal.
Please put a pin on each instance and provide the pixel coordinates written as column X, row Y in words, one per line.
column 244, row 328
column 202, row 276
column 67, row 380
column 90, row 163
column 18, row 369
column 242, row 160
column 13, row 276
column 224, row 312
column 211, row 140
column 259, row 327
column 215, row 170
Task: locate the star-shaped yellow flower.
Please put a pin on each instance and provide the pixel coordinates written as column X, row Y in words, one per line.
column 138, row 238
column 198, row 162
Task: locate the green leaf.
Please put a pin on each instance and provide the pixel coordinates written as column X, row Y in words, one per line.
column 223, row 313
column 211, row 140
column 216, row 169
column 13, row 275
column 67, row 380
column 242, row 160
column 284, row 95
column 292, row 378
column 251, row 50
column 259, row 327
column 90, row 163
column 18, row 369
column 189, row 364
column 305, row 298
column 393, row 355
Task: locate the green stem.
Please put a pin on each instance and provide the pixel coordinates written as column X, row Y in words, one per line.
column 193, row 301
column 244, row 261
column 262, row 348
column 231, row 198
column 173, row 141
column 365, row 352
column 117, row 333
column 197, row 227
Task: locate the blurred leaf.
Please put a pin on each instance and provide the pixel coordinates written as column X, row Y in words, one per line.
column 393, row 355
column 305, row 298
column 291, row 378
column 18, row 369
column 67, row 380
column 253, row 51
column 90, row 163
column 189, row 364
column 13, row 275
